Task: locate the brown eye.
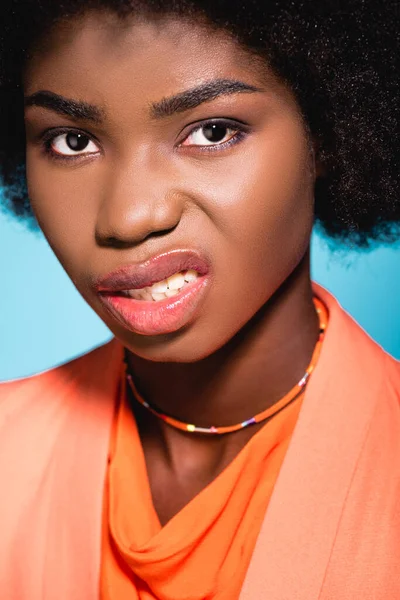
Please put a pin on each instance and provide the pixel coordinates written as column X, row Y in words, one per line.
column 215, row 133
column 73, row 144
column 210, row 134
column 77, row 141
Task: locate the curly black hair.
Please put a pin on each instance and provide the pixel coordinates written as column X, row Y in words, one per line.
column 339, row 58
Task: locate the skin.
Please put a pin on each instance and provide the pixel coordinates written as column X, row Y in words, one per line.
column 147, row 189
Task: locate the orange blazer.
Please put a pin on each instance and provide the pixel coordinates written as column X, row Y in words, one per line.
column 332, row 528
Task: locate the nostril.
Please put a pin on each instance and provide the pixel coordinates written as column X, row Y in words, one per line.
column 112, row 241
column 162, row 232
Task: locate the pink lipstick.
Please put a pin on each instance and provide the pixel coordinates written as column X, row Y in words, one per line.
column 147, row 316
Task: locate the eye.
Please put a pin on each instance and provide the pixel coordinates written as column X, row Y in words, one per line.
column 72, row 143
column 212, row 134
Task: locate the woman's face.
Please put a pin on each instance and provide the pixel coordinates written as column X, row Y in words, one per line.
column 160, row 147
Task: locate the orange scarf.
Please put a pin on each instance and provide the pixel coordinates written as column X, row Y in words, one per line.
column 204, row 551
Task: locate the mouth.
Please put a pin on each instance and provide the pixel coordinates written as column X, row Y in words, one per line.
column 158, row 296
column 160, row 290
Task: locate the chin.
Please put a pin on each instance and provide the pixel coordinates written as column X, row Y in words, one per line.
column 183, row 346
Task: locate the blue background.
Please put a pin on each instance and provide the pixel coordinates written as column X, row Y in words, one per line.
column 44, row 321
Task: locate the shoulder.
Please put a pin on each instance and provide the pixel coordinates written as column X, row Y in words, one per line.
column 58, row 378
column 392, row 376
column 54, row 436
column 351, row 352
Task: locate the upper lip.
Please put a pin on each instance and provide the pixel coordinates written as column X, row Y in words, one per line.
column 157, row 268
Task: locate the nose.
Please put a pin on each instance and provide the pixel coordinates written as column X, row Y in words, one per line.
column 137, row 201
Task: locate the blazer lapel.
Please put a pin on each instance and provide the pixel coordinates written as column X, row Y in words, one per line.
column 295, row 541
column 73, row 546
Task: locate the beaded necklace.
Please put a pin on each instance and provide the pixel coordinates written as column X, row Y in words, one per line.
column 265, row 414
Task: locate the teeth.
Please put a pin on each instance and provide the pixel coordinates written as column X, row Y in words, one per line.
column 156, row 296
column 160, row 287
column 175, row 282
column 146, row 295
column 164, row 289
column 170, row 293
column 136, row 294
column 190, row 276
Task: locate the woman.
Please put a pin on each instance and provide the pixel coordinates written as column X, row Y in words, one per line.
column 240, row 436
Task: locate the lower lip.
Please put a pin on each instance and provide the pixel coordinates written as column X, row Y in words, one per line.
column 161, row 317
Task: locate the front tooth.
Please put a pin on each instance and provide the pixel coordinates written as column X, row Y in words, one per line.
column 156, row 296
column 170, row 293
column 175, row 282
column 190, row 276
column 160, row 287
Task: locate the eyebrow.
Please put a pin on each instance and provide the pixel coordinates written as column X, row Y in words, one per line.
column 194, row 97
column 187, row 100
column 76, row 109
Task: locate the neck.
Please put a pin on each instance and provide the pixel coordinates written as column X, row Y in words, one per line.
column 252, row 372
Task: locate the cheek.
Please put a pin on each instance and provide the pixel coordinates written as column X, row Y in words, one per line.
column 63, row 203
column 265, row 208
column 262, row 210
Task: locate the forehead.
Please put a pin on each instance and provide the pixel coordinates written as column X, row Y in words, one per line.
column 99, row 55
